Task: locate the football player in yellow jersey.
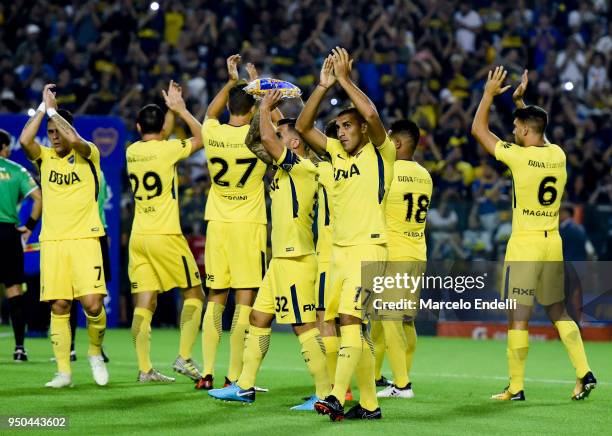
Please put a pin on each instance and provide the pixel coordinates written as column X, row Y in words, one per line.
column 406, row 213
column 70, row 254
column 235, row 254
column 159, row 258
column 534, row 258
column 362, row 158
column 287, row 291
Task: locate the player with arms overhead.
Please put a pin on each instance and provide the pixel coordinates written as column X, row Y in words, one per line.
column 362, row 158
column 235, row 254
column 71, row 265
column 406, row 213
column 160, row 259
column 287, row 291
column 534, row 258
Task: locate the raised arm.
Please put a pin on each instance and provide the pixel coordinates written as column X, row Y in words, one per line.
column 28, row 134
column 342, row 70
column 519, row 92
column 270, row 141
column 168, row 124
column 217, row 105
column 253, row 141
column 480, row 125
column 305, row 121
column 64, row 128
column 174, row 101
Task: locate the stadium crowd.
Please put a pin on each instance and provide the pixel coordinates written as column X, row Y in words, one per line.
column 424, row 59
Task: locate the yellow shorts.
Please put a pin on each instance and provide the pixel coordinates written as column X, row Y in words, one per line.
column 345, row 276
column 287, row 290
column 322, row 285
column 235, row 255
column 71, row 268
column 161, row 263
column 413, row 268
column 533, row 268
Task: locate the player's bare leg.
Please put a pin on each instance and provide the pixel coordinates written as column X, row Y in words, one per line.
column 14, row 295
column 193, row 301
column 211, row 335
column 60, row 340
column 145, row 304
column 518, row 348
column 571, row 338
column 93, row 306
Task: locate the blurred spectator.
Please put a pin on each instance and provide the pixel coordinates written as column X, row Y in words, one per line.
column 422, row 59
column 576, row 245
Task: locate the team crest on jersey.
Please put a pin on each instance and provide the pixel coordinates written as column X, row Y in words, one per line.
column 106, row 139
column 71, row 159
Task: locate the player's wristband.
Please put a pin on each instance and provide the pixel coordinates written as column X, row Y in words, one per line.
column 324, row 87
column 31, row 224
column 51, row 111
column 41, row 107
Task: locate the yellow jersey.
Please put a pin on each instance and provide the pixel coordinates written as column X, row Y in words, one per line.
column 324, row 211
column 360, row 190
column 538, row 179
column 406, row 211
column 70, row 187
column 151, row 167
column 293, row 191
column 237, row 188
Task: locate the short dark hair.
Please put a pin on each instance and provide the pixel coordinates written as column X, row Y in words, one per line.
column 535, row 116
column 287, row 121
column 331, row 130
column 354, row 111
column 406, row 126
column 5, row 138
column 67, row 115
column 239, row 101
column 151, row 119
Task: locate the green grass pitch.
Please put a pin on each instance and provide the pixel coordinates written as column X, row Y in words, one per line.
column 452, row 379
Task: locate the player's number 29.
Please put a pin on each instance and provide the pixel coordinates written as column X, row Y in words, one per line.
column 151, row 182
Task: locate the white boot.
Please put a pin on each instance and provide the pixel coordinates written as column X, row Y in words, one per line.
column 98, row 370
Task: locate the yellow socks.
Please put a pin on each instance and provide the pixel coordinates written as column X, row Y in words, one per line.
column 60, row 339
column 348, row 358
column 141, row 333
column 313, row 352
column 211, row 335
column 570, row 335
column 518, row 347
column 190, row 325
column 378, row 338
column 96, row 327
column 411, row 341
column 365, row 376
column 255, row 348
column 332, row 343
column 396, row 351
column 240, row 325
